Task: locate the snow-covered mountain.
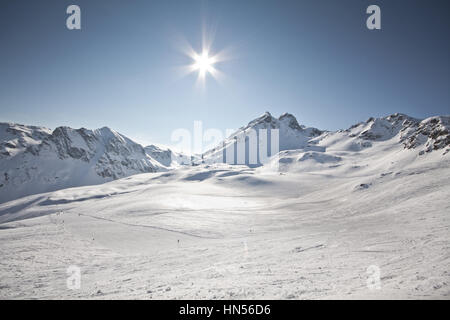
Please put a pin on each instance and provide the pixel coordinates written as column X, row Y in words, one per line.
column 166, row 157
column 399, row 130
column 291, row 136
column 426, row 135
column 338, row 206
column 392, row 139
column 36, row 159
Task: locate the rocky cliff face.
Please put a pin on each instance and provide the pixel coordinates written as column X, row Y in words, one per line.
column 15, row 138
column 36, row 159
column 428, row 135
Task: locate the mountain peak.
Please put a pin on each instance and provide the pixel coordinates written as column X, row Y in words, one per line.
column 292, row 121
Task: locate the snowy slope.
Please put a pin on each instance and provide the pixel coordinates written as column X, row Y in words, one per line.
column 291, row 136
column 15, row 138
column 423, row 135
column 35, row 160
column 335, row 206
column 234, row 232
column 167, row 157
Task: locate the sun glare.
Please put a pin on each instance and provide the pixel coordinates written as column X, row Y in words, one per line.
column 204, row 63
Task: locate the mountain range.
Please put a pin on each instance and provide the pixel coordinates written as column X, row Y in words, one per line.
column 36, row 159
column 327, row 216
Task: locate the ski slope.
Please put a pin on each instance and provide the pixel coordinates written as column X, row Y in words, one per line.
column 314, row 223
column 243, row 233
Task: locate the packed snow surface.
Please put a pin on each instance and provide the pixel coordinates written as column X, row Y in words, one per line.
column 313, row 224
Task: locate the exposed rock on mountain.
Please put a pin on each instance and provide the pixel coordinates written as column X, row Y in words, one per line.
column 291, row 136
column 430, row 134
column 34, row 159
column 167, row 157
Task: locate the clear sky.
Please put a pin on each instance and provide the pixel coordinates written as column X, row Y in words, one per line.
column 313, row 58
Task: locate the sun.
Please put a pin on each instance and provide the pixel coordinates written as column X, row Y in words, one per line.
column 203, row 63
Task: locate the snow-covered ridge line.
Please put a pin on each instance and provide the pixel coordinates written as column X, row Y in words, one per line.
column 424, row 135
column 345, row 202
column 35, row 159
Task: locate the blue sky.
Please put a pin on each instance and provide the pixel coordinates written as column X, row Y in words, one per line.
column 315, row 59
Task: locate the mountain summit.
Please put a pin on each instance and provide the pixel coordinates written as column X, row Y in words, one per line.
column 36, row 159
